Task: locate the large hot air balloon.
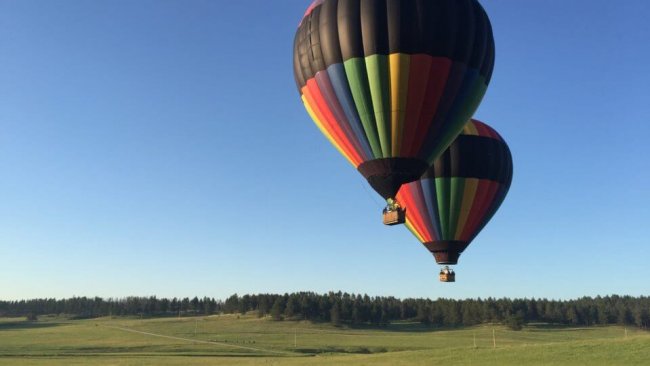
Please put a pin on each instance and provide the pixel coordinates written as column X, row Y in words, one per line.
column 459, row 193
column 391, row 83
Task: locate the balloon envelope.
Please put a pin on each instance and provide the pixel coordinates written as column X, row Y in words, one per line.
column 391, row 83
column 459, row 193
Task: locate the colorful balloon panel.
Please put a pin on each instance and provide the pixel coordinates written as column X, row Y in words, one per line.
column 459, row 193
column 392, row 79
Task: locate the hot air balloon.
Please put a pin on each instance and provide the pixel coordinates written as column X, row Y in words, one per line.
column 391, row 83
column 458, row 194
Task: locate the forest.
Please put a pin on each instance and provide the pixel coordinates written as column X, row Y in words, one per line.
column 355, row 309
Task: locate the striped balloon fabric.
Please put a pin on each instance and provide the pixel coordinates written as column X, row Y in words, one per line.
column 391, row 83
column 459, row 193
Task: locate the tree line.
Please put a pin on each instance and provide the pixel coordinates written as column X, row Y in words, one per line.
column 339, row 308
column 89, row 307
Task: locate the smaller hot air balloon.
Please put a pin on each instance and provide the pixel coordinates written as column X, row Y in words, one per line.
column 458, row 194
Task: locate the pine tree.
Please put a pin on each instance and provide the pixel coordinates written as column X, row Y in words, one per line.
column 335, row 313
column 290, row 308
column 277, row 308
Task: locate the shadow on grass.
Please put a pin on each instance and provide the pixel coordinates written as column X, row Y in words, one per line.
column 557, row 327
column 27, row 325
column 51, row 355
column 406, row 327
column 156, row 350
column 347, row 350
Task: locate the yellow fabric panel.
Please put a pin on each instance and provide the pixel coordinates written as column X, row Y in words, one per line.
column 471, row 184
column 322, row 129
column 411, row 228
column 470, row 129
column 399, row 84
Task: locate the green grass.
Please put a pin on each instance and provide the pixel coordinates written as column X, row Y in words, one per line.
column 246, row 340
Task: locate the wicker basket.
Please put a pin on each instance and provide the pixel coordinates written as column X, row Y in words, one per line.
column 447, row 277
column 394, row 217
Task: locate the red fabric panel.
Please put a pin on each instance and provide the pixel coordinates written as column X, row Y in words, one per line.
column 319, row 105
column 407, row 199
column 439, row 69
column 485, row 195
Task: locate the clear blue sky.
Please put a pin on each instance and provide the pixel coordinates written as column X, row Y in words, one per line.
column 160, row 148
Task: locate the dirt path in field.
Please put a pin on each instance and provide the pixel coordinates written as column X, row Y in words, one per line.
column 216, row 343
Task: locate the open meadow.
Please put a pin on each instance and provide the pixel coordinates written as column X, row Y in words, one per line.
column 247, row 340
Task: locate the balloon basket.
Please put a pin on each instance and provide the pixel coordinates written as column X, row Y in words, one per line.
column 447, row 275
column 394, row 216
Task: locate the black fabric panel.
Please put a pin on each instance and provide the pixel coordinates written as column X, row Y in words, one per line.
column 374, row 27
column 472, row 156
column 329, row 33
column 387, row 175
column 394, row 25
column 338, row 30
column 302, row 51
column 463, row 26
column 426, row 18
column 402, row 29
column 410, row 31
column 349, row 22
column 297, row 69
column 479, row 49
column 507, row 156
column 440, row 32
column 315, row 54
column 504, row 162
column 488, row 61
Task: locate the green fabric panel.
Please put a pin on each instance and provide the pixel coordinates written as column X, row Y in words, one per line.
column 472, row 102
column 443, row 196
column 456, row 202
column 379, row 81
column 355, row 70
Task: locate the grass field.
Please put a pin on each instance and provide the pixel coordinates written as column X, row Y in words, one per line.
column 246, row 340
